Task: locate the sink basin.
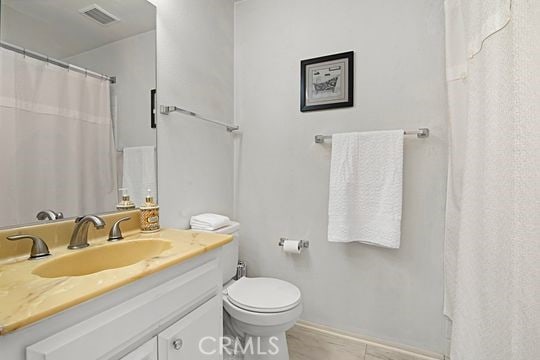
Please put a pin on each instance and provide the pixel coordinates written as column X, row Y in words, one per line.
column 94, row 259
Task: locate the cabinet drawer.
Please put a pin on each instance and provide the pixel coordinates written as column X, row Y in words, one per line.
column 195, row 336
column 106, row 335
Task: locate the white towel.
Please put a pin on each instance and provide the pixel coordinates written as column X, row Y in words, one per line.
column 209, row 222
column 366, row 188
column 139, row 172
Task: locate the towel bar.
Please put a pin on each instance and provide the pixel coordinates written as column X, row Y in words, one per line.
column 166, row 110
column 420, row 133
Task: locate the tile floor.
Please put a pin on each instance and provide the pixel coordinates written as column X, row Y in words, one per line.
column 309, row 344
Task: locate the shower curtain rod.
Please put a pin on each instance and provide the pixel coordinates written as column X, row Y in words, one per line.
column 56, row 62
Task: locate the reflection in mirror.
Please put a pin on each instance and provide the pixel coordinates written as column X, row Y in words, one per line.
column 75, row 106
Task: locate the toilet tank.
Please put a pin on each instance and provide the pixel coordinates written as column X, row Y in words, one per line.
column 229, row 253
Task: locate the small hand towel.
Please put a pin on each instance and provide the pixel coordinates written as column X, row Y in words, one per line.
column 139, row 172
column 209, row 222
column 366, row 176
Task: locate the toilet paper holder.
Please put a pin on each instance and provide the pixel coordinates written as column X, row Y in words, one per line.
column 302, row 243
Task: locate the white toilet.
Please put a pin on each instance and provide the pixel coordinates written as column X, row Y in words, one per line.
column 256, row 310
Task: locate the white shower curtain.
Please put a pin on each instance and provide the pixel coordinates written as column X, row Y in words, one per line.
column 56, row 142
column 492, row 251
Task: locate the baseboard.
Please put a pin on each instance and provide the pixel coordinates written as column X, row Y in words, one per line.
column 313, row 341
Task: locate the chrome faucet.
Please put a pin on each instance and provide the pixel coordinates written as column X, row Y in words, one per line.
column 49, row 215
column 79, row 238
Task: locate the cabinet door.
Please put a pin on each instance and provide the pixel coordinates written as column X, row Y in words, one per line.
column 195, row 336
column 147, row 351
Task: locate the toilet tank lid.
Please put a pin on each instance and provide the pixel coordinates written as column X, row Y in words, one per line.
column 230, row 229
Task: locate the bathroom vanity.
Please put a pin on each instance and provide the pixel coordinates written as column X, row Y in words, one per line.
column 160, row 307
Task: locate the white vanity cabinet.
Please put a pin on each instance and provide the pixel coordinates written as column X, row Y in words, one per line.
column 166, row 321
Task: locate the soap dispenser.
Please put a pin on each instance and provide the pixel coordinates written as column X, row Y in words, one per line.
column 125, row 203
column 149, row 214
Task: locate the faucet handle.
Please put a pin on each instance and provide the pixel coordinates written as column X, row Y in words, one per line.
column 116, row 233
column 49, row 215
column 39, row 247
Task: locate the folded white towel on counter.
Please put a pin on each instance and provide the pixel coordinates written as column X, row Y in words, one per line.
column 209, row 222
column 366, row 176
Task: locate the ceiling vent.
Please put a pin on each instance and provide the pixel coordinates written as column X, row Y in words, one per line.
column 99, row 14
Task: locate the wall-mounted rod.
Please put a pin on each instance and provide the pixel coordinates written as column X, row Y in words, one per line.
column 56, row 62
column 165, row 110
column 420, row 133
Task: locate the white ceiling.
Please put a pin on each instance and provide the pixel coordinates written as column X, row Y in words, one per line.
column 57, row 29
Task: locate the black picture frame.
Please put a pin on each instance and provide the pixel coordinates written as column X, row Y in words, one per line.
column 316, row 93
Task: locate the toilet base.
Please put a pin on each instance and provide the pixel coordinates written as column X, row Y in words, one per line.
column 266, row 347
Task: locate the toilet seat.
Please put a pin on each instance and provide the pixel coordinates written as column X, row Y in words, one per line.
column 264, row 295
column 267, row 322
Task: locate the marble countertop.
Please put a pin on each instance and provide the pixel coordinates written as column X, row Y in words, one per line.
column 26, row 298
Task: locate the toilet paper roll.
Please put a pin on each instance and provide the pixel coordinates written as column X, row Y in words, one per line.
column 292, row 247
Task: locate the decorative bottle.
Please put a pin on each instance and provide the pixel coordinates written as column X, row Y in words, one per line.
column 149, row 214
column 125, row 203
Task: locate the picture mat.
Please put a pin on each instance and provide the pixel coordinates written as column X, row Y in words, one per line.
column 327, row 93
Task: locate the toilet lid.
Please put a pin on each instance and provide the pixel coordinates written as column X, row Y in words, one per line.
column 264, row 295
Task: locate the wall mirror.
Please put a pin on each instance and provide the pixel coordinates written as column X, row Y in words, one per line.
column 76, row 84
